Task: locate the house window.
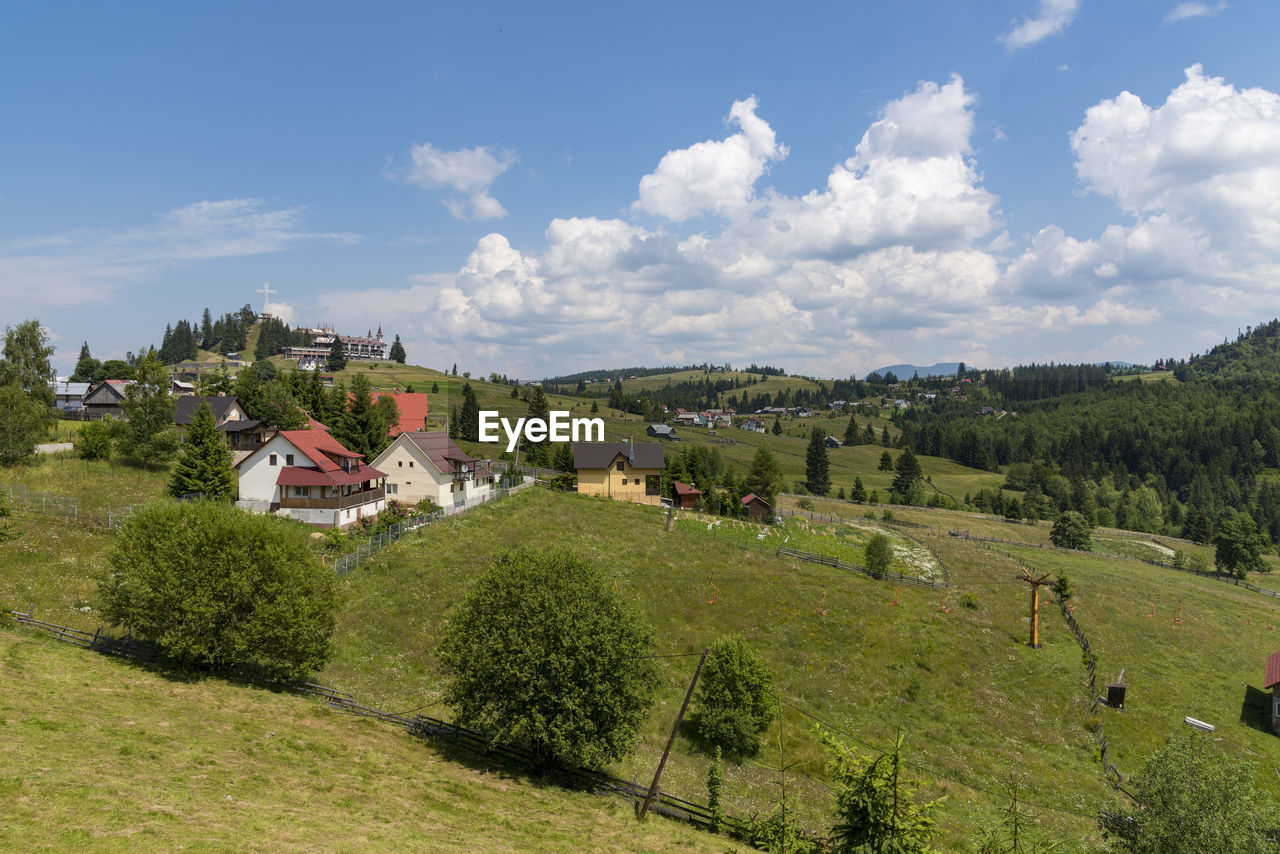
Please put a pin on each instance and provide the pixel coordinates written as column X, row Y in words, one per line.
column 399, row 463
column 620, row 464
column 392, row 489
column 300, row 492
column 274, row 461
column 410, row 463
column 288, row 459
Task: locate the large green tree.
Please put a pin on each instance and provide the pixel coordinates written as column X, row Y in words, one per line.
column 732, row 707
column 765, row 476
column 469, row 415
column 1237, row 546
column 817, row 465
column 147, row 433
column 1193, row 799
column 1071, row 531
column 362, row 427
column 906, row 488
column 214, row 586
column 24, row 422
column 26, row 361
column 543, row 652
column 337, row 360
column 204, row 462
column 397, row 353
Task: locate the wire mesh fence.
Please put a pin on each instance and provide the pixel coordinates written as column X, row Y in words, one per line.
column 66, row 507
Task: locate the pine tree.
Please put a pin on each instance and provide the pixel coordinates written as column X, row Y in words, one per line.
column 361, row 428
column 884, row 438
column 397, row 353
column 563, row 459
column 206, row 329
column 817, row 465
column 886, row 461
column 435, row 387
column 539, row 406
column 851, row 432
column 777, row 425
column 337, row 355
column 869, row 435
column 204, row 462
column 469, row 416
column 859, row 492
column 453, row 422
column 906, row 487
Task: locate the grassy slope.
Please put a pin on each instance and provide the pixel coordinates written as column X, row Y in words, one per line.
column 975, row 703
column 98, row 754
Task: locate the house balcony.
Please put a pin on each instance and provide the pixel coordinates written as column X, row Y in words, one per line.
column 341, row 502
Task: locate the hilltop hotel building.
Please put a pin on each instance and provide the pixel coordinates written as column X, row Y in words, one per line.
column 370, row 347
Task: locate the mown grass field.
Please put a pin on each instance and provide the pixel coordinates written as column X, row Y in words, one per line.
column 97, row 754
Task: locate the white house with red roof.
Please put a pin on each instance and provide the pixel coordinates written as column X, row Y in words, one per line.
column 308, row 475
column 422, row 465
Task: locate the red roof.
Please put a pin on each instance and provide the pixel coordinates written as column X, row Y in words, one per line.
column 1273, row 670
column 318, row 445
column 313, row 424
column 413, row 410
column 686, row 489
column 751, row 496
column 298, row 476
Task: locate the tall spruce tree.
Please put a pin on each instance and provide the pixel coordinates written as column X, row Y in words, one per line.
column 397, row 353
column 817, row 465
column 204, row 462
column 337, row 355
column 851, row 435
column 859, row 492
column 361, row 428
column 908, row 475
column 469, row 416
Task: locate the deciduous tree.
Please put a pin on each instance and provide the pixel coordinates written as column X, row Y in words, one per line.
column 732, row 707
column 147, row 434
column 214, row 586
column 543, row 652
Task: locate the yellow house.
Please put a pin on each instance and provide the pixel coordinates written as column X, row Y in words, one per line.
column 627, row 471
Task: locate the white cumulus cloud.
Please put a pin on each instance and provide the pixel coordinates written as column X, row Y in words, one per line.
column 714, row 176
column 470, row 172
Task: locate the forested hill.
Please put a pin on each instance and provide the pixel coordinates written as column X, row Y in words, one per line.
column 1163, row 457
column 1254, row 355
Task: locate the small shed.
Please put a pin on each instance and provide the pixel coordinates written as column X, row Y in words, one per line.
column 831, row 442
column 1272, row 683
column 757, row 507
column 661, row 431
column 687, row 497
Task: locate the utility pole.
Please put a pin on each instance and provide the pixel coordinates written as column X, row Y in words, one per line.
column 653, row 789
column 1036, row 584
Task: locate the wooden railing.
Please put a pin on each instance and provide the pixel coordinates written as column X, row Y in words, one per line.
column 340, row 503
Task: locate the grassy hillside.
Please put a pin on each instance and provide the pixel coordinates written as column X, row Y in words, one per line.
column 976, row 703
column 103, row 755
column 980, row 710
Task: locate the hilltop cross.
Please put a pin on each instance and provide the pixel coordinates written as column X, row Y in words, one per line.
column 266, row 292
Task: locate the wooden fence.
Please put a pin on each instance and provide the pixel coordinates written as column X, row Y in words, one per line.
column 1217, row 576
column 423, row 726
column 836, row 562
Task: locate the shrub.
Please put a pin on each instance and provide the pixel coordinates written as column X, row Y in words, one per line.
column 94, row 441
column 806, row 504
column 543, row 652
column 1071, row 531
column 879, row 554
column 214, row 586
column 732, row 707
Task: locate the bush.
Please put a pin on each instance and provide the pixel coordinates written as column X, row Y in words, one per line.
column 806, row 504
column 879, row 554
column 543, row 652
column 214, row 586
column 94, row 441
column 1071, row 531
column 732, row 707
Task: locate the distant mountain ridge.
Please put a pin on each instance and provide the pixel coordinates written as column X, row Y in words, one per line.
column 905, row 372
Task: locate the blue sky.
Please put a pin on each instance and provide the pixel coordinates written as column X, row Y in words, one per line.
column 532, row 188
